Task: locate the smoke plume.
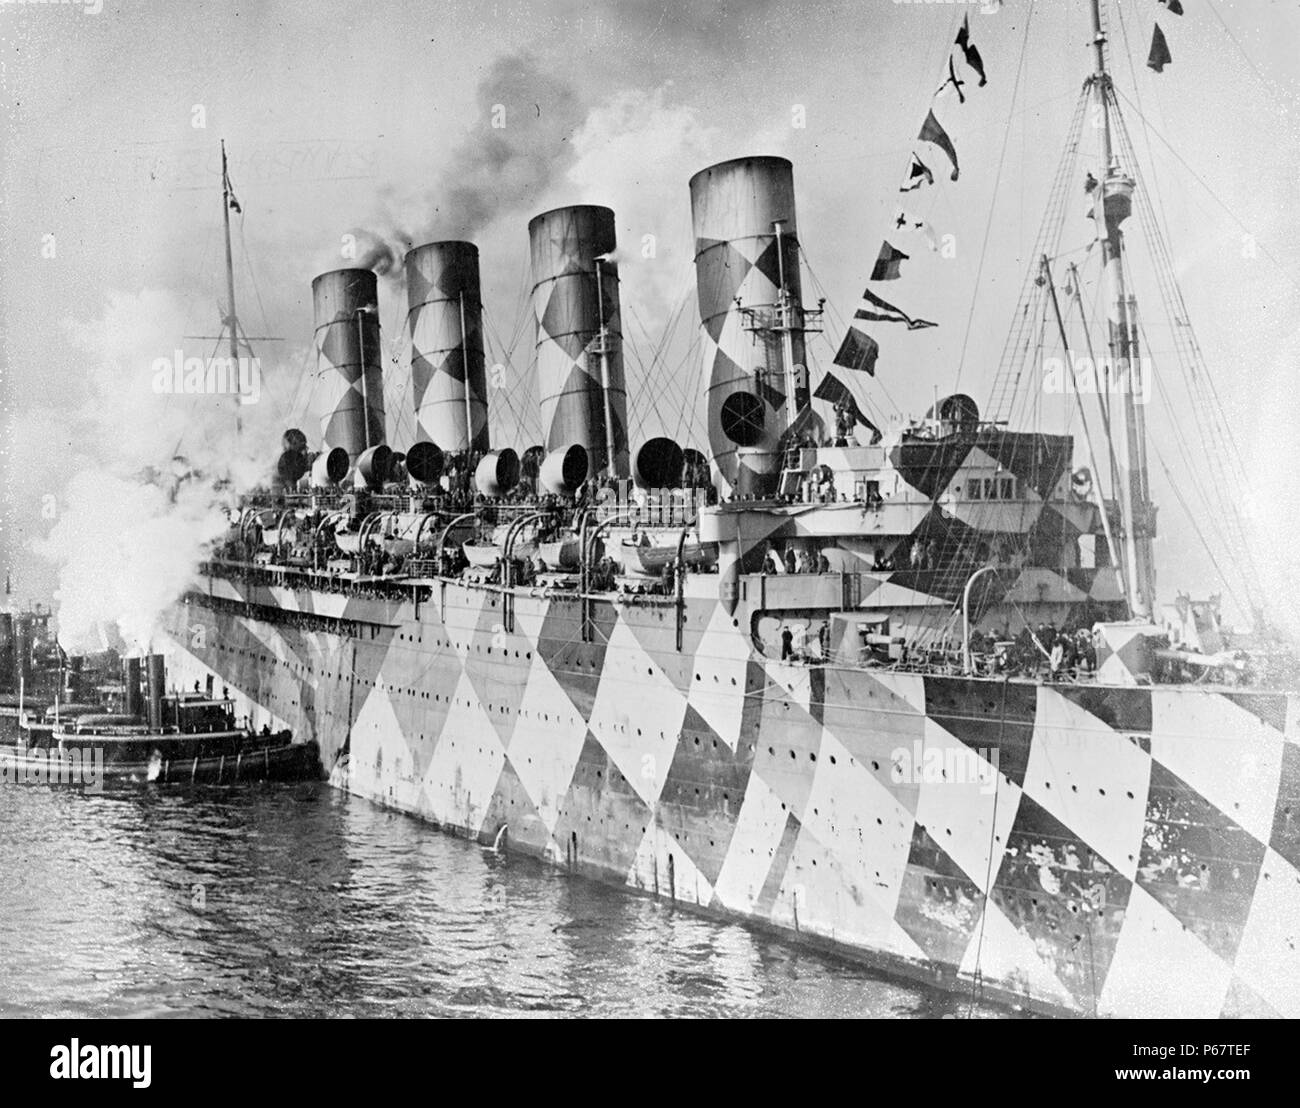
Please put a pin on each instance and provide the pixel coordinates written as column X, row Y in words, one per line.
column 518, row 145
column 156, row 474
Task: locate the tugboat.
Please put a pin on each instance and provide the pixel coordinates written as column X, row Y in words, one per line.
column 29, row 664
column 154, row 737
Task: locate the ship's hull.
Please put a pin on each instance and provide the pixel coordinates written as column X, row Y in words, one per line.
column 1072, row 848
column 269, row 760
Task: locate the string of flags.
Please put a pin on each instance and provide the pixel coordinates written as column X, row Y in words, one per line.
column 972, row 55
column 963, row 67
column 932, row 131
column 230, row 191
column 1159, row 56
column 836, row 392
column 889, row 263
column 881, row 312
column 919, row 174
column 964, row 71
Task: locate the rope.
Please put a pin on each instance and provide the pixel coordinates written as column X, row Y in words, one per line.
column 993, row 203
column 976, row 977
column 1011, row 365
column 1209, row 191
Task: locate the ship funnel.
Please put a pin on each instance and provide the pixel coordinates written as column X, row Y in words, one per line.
column 8, row 673
column 26, row 640
column 579, row 334
column 21, row 630
column 424, row 463
column 374, row 466
column 740, row 210
column 73, row 678
column 329, row 468
column 156, row 674
column 348, row 360
column 563, row 471
column 497, row 473
column 658, row 464
column 133, row 701
column 446, row 324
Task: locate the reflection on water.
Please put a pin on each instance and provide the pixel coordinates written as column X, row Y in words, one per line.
column 300, row 901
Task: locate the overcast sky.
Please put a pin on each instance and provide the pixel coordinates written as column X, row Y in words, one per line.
column 348, row 117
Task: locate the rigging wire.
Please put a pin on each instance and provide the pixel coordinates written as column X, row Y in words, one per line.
column 1011, row 366
column 1192, row 519
column 841, row 324
column 1226, row 485
column 516, row 394
column 1209, row 191
column 993, row 203
column 1271, row 85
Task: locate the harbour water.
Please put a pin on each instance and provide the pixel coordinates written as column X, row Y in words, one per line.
column 301, row 901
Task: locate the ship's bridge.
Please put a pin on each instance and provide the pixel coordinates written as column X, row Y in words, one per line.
column 938, row 492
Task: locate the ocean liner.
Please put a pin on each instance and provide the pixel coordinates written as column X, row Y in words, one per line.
column 904, row 693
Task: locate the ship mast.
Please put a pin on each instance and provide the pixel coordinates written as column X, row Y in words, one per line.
column 786, row 324
column 786, row 318
column 229, row 329
column 464, row 371
column 602, row 347
column 231, row 320
column 1112, row 206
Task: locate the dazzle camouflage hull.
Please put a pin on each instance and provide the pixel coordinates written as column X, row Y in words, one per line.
column 1085, row 849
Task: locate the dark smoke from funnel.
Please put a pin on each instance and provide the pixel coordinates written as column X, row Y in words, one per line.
column 493, row 170
column 496, row 169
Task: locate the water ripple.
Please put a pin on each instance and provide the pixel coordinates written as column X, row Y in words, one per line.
column 298, row 901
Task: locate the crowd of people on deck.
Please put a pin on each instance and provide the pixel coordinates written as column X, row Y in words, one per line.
column 794, row 560
column 1046, row 652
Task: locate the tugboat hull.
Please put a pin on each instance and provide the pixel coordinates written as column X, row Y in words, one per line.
column 275, row 758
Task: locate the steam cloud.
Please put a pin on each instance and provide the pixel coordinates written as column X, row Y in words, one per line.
column 136, row 518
